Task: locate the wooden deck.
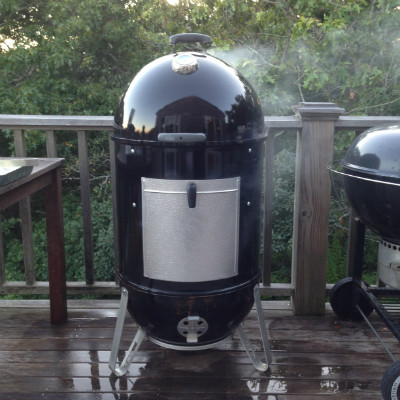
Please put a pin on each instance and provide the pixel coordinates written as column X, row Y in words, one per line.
column 313, row 358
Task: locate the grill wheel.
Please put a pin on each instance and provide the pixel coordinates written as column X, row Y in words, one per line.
column 390, row 384
column 344, row 298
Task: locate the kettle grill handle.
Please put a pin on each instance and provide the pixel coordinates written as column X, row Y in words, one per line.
column 181, row 137
column 190, row 38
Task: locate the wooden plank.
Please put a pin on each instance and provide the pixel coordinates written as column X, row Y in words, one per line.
column 27, row 240
column 268, row 208
column 275, row 306
column 112, row 288
column 282, row 122
column 311, row 210
column 347, row 335
column 65, row 396
column 61, row 122
column 98, row 288
column 212, row 356
column 2, row 259
column 277, row 289
column 56, row 122
column 65, row 356
column 51, row 144
column 306, row 343
column 55, row 249
column 84, row 174
column 364, row 122
column 44, row 165
column 293, row 122
column 19, row 143
column 182, row 366
column 22, row 190
column 26, row 216
column 193, row 396
column 183, row 385
column 114, row 205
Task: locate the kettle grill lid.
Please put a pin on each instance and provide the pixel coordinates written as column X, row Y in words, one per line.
column 375, row 152
column 189, row 96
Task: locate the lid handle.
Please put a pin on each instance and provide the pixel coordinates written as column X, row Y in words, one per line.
column 190, row 38
column 181, row 137
column 191, row 191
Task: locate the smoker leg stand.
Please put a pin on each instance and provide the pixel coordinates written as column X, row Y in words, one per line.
column 255, row 359
column 124, row 366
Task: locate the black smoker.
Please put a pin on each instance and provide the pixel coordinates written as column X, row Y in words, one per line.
column 189, row 146
column 371, row 177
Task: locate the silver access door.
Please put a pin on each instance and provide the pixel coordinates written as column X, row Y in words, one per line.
column 190, row 229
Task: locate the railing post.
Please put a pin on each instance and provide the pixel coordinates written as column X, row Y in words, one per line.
column 311, row 209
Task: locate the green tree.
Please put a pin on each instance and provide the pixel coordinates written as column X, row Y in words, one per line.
column 75, row 57
column 341, row 51
column 70, row 57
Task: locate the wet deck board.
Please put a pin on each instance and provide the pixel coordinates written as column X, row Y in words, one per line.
column 313, row 358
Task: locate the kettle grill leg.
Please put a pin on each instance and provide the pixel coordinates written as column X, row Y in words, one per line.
column 255, row 359
column 124, row 366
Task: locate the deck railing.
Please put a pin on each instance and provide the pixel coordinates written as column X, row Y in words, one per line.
column 315, row 123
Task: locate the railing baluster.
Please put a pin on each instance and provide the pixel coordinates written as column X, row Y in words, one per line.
column 26, row 217
column 83, row 154
column 51, row 144
column 19, row 143
column 111, row 144
column 355, row 242
column 268, row 207
column 2, row 258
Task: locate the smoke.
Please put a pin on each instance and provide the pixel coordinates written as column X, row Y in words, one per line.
column 238, row 56
column 259, row 64
column 352, row 62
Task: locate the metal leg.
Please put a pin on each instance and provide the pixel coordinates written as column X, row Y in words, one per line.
column 130, row 354
column 123, row 368
column 255, row 359
column 118, row 329
column 261, row 324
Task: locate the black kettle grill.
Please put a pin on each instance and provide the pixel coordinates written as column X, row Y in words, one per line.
column 371, row 178
column 189, row 147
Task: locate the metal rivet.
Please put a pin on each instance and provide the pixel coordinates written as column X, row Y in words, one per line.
column 250, row 150
column 133, row 204
column 132, row 151
column 248, row 204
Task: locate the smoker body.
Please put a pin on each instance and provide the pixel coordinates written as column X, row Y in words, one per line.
column 220, row 294
column 189, row 147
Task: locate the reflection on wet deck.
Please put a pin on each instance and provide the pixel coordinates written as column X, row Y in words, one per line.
column 313, row 358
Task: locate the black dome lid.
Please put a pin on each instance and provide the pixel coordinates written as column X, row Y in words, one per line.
column 189, row 92
column 375, row 152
